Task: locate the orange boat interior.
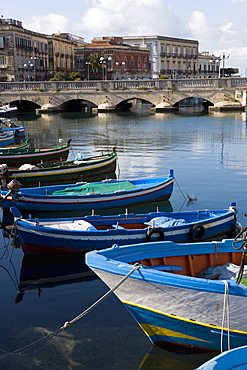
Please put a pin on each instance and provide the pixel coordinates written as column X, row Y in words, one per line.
column 193, row 265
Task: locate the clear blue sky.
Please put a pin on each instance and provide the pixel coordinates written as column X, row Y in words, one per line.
column 219, row 25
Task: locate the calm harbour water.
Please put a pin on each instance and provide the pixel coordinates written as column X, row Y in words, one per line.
column 208, row 155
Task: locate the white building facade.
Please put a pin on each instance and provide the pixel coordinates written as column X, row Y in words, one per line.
column 171, row 57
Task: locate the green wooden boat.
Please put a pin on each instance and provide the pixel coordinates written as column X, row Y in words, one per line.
column 23, row 144
column 60, row 172
column 15, row 158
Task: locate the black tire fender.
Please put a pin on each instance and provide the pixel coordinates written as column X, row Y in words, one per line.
column 155, row 230
column 196, row 232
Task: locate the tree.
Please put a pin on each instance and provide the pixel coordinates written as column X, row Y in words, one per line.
column 228, row 72
column 3, row 78
column 59, row 76
column 94, row 63
column 74, row 76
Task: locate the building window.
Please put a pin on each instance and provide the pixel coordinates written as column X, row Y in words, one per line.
column 132, row 63
column 139, row 64
column 2, row 42
column 145, row 63
column 149, row 46
column 2, row 61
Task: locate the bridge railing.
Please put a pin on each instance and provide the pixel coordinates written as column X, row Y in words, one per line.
column 101, row 85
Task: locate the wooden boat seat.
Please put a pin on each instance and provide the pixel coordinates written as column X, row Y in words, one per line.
column 166, row 267
column 104, row 227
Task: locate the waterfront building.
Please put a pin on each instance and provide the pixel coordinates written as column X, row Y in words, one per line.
column 208, row 65
column 28, row 55
column 118, row 59
column 23, row 53
column 169, row 56
column 61, row 49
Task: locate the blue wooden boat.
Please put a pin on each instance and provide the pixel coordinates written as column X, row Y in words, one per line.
column 88, row 196
column 7, row 125
column 16, row 147
column 233, row 359
column 188, row 294
column 6, row 139
column 81, row 234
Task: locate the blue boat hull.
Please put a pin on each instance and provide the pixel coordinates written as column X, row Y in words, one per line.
column 162, row 329
column 57, row 236
column 168, row 290
column 41, row 199
column 232, row 359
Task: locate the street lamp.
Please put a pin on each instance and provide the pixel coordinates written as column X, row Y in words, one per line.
column 28, row 66
column 121, row 66
column 224, row 57
column 108, row 63
column 31, row 66
column 34, row 66
column 88, row 64
column 105, row 62
column 102, row 62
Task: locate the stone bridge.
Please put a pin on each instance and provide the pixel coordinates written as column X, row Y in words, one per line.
column 112, row 95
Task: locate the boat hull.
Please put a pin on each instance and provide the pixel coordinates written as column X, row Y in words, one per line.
column 19, row 131
column 48, row 235
column 23, row 144
column 63, row 172
column 39, row 199
column 178, row 307
column 7, row 139
column 14, row 157
column 235, row 358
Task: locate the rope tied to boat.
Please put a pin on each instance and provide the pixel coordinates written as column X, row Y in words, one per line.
column 226, row 310
column 24, row 349
column 241, row 238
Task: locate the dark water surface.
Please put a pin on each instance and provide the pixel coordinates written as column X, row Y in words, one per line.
column 208, row 155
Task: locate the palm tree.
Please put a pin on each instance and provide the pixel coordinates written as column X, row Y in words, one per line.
column 93, row 61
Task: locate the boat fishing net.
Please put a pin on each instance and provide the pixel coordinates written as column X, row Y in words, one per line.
column 97, row 188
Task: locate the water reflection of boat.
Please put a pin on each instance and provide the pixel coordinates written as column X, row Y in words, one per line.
column 39, row 272
column 164, row 206
column 173, row 358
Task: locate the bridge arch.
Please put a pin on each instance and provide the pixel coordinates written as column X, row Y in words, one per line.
column 25, row 105
column 76, row 105
column 133, row 102
column 193, row 101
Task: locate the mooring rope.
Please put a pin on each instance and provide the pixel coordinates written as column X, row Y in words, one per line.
column 67, row 323
column 226, row 307
column 180, row 189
